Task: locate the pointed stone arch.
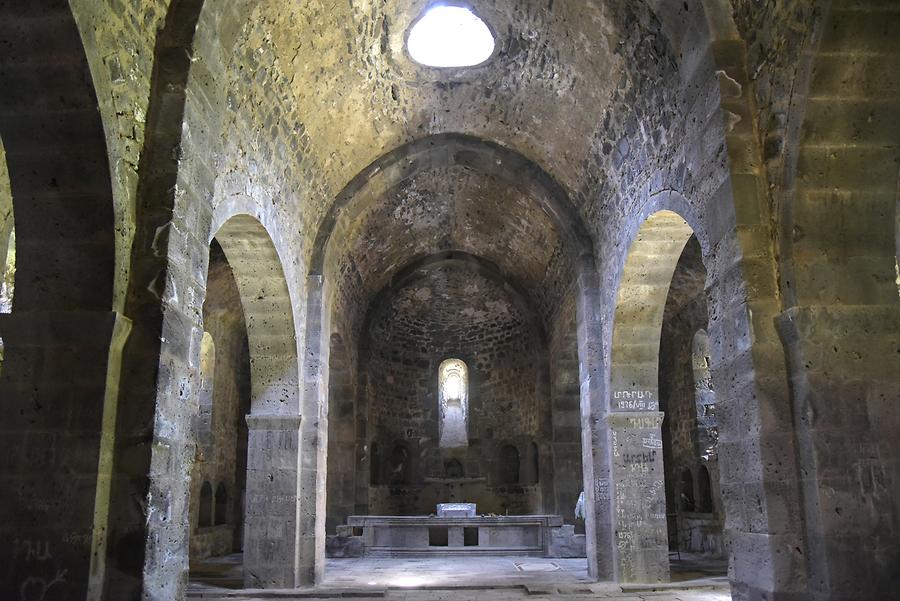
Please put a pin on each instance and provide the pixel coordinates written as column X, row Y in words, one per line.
column 66, row 255
column 635, row 419
column 268, row 312
column 273, row 464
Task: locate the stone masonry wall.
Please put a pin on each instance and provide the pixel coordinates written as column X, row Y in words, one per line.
column 452, row 313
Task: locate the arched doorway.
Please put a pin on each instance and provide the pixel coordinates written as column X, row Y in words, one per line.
column 655, row 464
column 224, row 392
column 270, row 534
column 635, row 419
column 434, row 294
column 695, row 518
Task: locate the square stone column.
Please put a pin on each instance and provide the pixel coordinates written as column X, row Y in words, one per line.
column 270, row 531
column 314, row 449
column 845, row 382
column 595, row 434
column 642, row 546
column 53, row 472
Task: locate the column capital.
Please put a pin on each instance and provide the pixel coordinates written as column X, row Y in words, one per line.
column 273, row 421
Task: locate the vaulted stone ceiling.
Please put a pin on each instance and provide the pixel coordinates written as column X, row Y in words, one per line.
column 451, row 209
column 558, row 68
column 561, row 90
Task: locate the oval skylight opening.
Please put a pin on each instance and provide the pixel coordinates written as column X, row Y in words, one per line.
column 450, row 36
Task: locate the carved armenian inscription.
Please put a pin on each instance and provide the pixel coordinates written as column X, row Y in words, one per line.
column 634, row 400
column 640, row 506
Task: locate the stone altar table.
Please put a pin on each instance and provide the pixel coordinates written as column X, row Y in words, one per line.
column 523, row 535
column 455, row 510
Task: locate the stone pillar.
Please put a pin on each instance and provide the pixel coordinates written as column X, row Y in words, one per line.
column 53, row 383
column 564, row 461
column 845, row 381
column 314, row 440
column 595, row 442
column 757, row 456
column 342, row 457
column 270, row 530
column 642, row 547
column 758, row 472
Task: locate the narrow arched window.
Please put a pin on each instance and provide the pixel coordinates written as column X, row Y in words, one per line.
column 400, row 464
column 508, row 465
column 221, row 504
column 206, row 505
column 375, row 465
column 704, row 491
column 687, row 491
column 7, row 283
column 453, row 397
column 205, row 394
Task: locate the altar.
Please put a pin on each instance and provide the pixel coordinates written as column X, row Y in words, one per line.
column 522, row 535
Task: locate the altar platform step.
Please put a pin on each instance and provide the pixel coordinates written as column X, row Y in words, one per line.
column 463, row 579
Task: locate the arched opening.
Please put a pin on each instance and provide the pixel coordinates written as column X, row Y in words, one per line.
column 221, row 513
column 686, row 500
column 205, row 393
column 661, row 304
column 7, row 244
column 400, row 464
column 375, row 460
column 57, row 265
column 638, row 465
column 704, row 491
column 205, row 506
column 450, row 313
column 223, row 399
column 453, row 395
column 508, row 465
column 690, row 429
column 272, row 410
column 254, row 417
column 704, row 397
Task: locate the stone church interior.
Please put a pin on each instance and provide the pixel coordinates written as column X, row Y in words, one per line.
column 475, row 299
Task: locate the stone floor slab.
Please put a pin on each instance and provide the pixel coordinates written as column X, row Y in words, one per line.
column 464, row 579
